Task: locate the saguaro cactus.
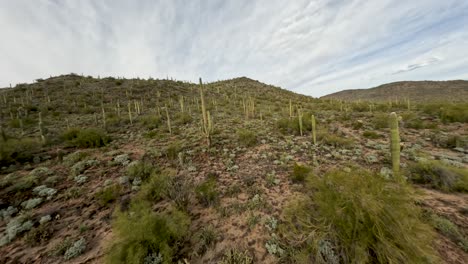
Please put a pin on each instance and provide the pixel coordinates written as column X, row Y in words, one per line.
column 290, row 109
column 299, row 115
column 207, row 125
column 41, row 128
column 130, row 113
column 314, row 136
column 395, row 146
column 168, row 120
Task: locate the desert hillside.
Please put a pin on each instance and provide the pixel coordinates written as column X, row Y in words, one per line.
column 420, row 91
column 112, row 170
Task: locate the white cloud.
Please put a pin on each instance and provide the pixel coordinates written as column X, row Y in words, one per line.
column 312, row 47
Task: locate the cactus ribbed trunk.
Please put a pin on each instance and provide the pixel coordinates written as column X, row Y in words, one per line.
column 41, row 129
column 130, row 113
column 314, row 136
column 299, row 115
column 395, row 146
column 207, row 125
column 168, row 120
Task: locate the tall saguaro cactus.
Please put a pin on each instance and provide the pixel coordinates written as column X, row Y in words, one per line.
column 299, row 115
column 207, row 125
column 168, row 120
column 41, row 129
column 314, row 135
column 395, row 146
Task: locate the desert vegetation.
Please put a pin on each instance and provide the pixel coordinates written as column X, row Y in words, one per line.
column 112, row 170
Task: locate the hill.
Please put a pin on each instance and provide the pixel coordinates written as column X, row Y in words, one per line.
column 418, row 91
column 112, row 170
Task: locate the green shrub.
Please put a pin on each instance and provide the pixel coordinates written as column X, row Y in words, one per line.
column 140, row 169
column 246, row 138
column 108, row 195
column 143, row 236
column 449, row 229
column 371, row 134
column 18, row 150
column 86, row 138
column 439, row 176
column 183, row 118
column 357, row 217
column 380, row 120
column 300, row 173
column 150, row 121
column 236, row 256
column 206, row 192
column 291, row 126
column 335, row 140
column 157, row 187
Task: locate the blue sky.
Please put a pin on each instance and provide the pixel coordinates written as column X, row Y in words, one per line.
column 310, row 47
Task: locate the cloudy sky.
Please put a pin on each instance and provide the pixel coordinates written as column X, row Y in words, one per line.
column 310, row 47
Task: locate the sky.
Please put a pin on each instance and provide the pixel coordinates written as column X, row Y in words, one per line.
column 309, row 47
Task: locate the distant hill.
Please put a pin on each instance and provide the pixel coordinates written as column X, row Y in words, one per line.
column 415, row 90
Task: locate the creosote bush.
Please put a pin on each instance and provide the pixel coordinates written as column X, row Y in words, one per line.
column 18, row 150
column 246, row 137
column 356, row 217
column 439, row 176
column 142, row 234
column 108, row 195
column 206, row 192
column 300, row 173
column 86, row 138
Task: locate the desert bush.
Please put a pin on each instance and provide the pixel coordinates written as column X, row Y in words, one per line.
column 246, row 137
column 439, row 176
column 86, row 138
column 108, row 195
column 204, row 239
column 183, row 118
column 140, row 169
column 150, row 121
column 335, row 140
column 291, row 126
column 371, row 135
column 357, row 217
column 18, row 150
column 156, row 188
column 447, row 228
column 143, row 235
column 206, row 192
column 380, row 120
column 236, row 256
column 172, row 151
column 300, row 173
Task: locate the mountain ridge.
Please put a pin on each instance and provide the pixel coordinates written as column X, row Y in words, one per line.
column 452, row 90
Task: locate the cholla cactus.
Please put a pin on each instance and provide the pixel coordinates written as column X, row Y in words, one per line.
column 314, row 136
column 395, row 145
